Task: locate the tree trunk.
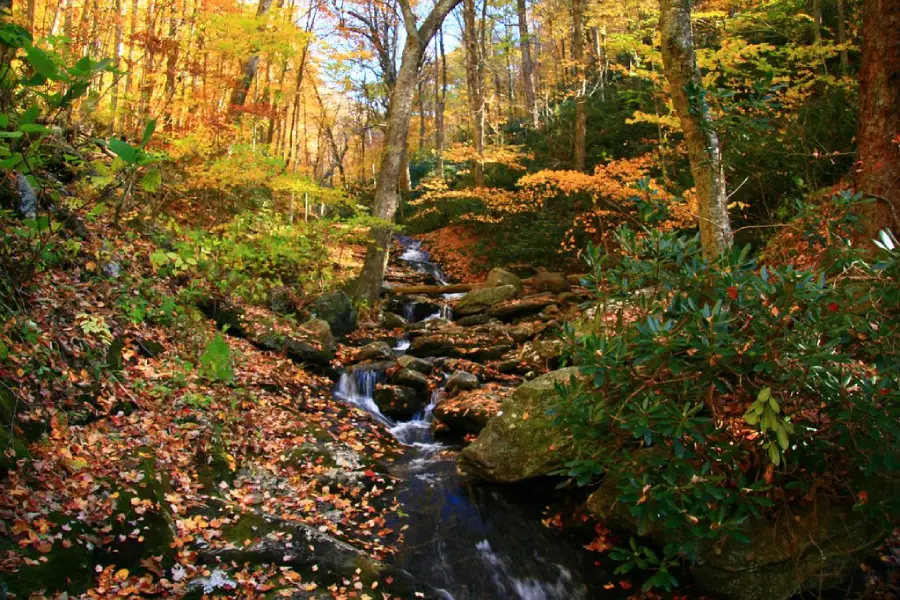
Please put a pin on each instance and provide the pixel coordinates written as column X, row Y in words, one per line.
column 580, row 93
column 475, row 87
column 527, row 65
column 440, row 103
column 842, row 36
column 248, row 69
column 878, row 173
column 368, row 285
column 700, row 137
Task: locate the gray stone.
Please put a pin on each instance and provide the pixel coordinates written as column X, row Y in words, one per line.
column 416, row 364
column 472, row 320
column 391, row 320
column 411, row 378
column 27, row 198
column 546, row 281
column 460, row 380
column 320, row 332
column 374, row 351
column 481, row 299
column 498, row 277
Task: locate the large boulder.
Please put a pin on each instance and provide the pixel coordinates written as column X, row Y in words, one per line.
column 813, row 548
column 468, row 412
column 398, row 401
column 320, row 332
column 411, row 378
column 498, row 277
column 481, row 299
column 521, row 307
column 520, row 442
column 425, row 346
column 374, row 351
column 546, row 281
column 460, row 380
column 416, row 364
column 391, row 320
column 336, row 308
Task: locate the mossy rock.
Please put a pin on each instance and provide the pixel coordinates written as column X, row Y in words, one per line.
column 521, row 442
column 481, row 299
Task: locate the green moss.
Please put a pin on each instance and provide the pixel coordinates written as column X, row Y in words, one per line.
column 247, row 526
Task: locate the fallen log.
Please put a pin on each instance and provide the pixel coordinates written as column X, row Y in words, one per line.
column 426, row 290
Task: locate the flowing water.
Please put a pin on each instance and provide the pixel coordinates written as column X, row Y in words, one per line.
column 465, row 539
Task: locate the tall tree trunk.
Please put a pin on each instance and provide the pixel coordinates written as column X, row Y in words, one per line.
column 117, row 57
column 527, row 64
column 368, row 285
column 580, row 81
column 878, row 173
column 248, row 69
column 842, row 36
column 440, row 102
column 700, row 137
column 475, row 87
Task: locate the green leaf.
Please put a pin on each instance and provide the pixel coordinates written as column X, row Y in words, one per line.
column 148, row 131
column 42, row 63
column 4, row 351
column 29, row 116
column 782, row 438
column 764, row 394
column 11, row 134
column 774, row 455
column 151, row 180
column 123, row 150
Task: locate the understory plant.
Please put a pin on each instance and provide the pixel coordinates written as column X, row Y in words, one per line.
column 720, row 391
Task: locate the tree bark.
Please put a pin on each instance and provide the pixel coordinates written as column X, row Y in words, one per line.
column 878, row 173
column 580, row 81
column 700, row 137
column 248, row 69
column 475, row 87
column 842, row 36
column 368, row 285
column 440, row 102
column 527, row 64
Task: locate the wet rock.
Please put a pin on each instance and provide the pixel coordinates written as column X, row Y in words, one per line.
column 425, row 346
column 473, row 320
column 374, row 351
column 378, row 366
column 522, row 307
column 550, row 312
column 337, row 310
column 416, row 364
column 520, row 442
column 398, row 401
column 411, row 378
column 469, row 411
column 551, row 282
column 813, row 549
column 498, row 277
column 460, row 380
column 391, row 320
column 568, row 298
column 481, row 299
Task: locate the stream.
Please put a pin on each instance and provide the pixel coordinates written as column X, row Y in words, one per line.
column 464, row 538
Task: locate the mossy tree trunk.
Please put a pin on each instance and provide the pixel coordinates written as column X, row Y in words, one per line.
column 704, row 150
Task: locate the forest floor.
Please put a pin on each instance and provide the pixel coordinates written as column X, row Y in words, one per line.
column 136, row 468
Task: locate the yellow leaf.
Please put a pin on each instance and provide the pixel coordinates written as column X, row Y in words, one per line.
column 122, row 574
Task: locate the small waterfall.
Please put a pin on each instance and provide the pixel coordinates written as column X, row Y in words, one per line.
column 418, row 430
column 357, row 388
column 526, row 588
column 402, row 346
